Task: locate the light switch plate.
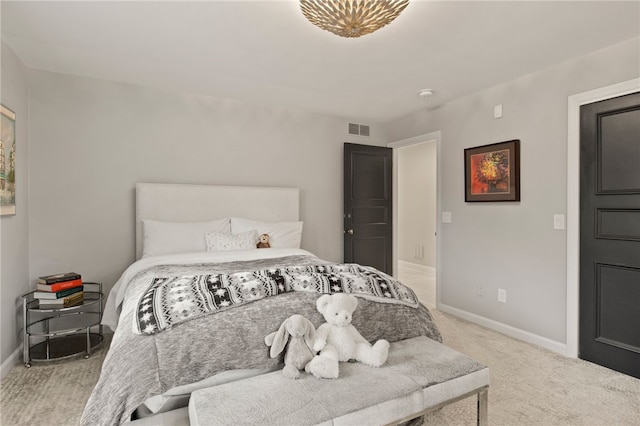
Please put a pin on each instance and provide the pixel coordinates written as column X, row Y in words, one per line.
column 497, row 111
column 446, row 217
column 558, row 221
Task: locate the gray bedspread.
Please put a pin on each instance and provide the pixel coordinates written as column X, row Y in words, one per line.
column 140, row 366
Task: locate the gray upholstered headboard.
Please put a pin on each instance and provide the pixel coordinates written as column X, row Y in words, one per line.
column 196, row 203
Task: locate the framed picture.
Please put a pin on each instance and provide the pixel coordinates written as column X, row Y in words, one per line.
column 7, row 161
column 492, row 172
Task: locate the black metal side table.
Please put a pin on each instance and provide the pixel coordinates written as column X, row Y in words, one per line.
column 57, row 333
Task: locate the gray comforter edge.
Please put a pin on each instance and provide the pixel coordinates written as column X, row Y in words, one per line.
column 138, row 366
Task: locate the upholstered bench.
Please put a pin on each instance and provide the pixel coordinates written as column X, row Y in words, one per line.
column 420, row 376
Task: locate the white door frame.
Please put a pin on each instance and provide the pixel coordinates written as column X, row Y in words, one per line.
column 427, row 137
column 573, row 200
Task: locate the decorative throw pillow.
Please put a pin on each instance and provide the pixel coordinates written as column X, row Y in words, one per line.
column 178, row 237
column 218, row 241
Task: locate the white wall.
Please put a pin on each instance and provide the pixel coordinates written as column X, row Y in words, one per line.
column 92, row 140
column 14, row 230
column 417, row 203
column 513, row 245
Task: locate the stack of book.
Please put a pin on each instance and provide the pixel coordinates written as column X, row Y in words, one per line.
column 59, row 290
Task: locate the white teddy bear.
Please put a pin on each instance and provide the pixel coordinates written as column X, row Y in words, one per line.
column 338, row 340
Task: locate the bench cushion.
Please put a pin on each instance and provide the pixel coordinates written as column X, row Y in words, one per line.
column 420, row 373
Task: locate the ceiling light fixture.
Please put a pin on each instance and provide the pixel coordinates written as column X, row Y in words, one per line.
column 352, row 18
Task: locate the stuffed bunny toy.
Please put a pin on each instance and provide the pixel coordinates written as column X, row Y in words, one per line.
column 298, row 353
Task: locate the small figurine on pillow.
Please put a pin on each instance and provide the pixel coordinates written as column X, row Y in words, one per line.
column 338, row 340
column 264, row 241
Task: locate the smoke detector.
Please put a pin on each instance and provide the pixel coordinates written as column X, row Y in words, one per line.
column 425, row 93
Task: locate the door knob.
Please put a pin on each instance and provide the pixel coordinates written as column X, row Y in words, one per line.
column 349, row 231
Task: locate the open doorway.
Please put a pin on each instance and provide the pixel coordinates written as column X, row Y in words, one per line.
column 416, row 213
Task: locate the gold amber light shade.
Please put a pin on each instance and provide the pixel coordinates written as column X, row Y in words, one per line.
column 352, row 18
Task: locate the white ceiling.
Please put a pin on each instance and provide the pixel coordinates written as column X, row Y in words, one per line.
column 266, row 52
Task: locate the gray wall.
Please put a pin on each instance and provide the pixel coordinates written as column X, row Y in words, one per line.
column 87, row 142
column 92, row 140
column 513, row 245
column 14, row 230
column 417, row 203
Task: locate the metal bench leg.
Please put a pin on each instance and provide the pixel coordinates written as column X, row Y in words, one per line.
column 483, row 403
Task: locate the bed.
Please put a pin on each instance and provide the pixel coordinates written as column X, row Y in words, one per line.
column 193, row 310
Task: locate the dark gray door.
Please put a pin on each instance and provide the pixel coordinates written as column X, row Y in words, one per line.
column 368, row 206
column 610, row 233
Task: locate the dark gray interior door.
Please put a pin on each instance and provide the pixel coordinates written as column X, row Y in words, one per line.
column 368, row 206
column 610, row 233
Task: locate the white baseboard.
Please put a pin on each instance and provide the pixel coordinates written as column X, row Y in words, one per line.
column 417, row 267
column 508, row 330
column 14, row 359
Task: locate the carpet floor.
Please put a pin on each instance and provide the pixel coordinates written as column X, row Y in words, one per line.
column 529, row 386
column 534, row 386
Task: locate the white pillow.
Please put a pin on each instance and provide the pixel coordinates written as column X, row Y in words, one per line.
column 218, row 241
column 281, row 234
column 178, row 237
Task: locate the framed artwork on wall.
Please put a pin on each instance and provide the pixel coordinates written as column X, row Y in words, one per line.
column 492, row 172
column 7, row 161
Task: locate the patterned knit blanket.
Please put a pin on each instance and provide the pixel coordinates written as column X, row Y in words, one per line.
column 172, row 300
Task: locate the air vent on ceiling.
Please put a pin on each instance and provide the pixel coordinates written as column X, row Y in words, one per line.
column 358, row 129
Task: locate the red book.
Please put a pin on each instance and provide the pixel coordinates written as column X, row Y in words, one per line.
column 64, row 285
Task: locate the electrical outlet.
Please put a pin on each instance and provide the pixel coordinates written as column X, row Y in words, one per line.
column 480, row 290
column 502, row 295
